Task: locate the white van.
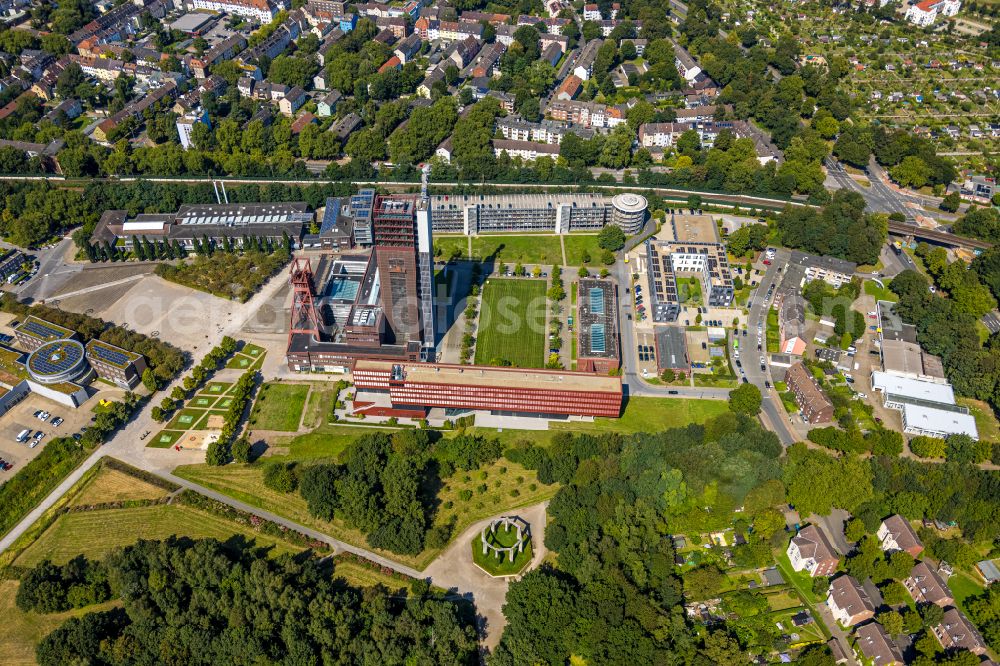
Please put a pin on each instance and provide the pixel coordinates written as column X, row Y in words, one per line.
column 23, row 435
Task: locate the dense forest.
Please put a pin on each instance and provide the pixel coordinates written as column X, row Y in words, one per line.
column 840, row 229
column 615, row 596
column 204, row 602
column 386, row 485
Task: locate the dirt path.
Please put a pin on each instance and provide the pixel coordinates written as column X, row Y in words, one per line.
column 454, row 570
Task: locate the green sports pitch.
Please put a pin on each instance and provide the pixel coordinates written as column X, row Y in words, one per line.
column 512, row 323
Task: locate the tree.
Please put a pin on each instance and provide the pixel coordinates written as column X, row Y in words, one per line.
column 855, row 530
column 241, row 450
column 149, row 380
column 892, row 622
column 218, row 453
column 894, row 593
column 951, row 202
column 611, row 238
column 745, row 399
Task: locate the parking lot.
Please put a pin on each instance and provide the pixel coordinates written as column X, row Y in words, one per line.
column 21, row 417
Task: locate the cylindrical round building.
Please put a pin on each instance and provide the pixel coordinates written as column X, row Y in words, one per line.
column 629, row 212
column 57, row 362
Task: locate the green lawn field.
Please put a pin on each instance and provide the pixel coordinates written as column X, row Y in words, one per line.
column 279, row 407
column 512, row 323
column 446, row 247
column 577, row 245
column 527, row 249
column 74, row 533
column 652, row 415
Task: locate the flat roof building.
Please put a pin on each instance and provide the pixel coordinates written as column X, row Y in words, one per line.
column 671, row 349
column 419, row 386
column 597, row 326
column 115, row 364
column 907, row 359
column 33, row 332
column 689, row 245
column 473, row 214
column 272, row 221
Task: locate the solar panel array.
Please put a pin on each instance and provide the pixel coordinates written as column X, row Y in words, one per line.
column 42, row 330
column 55, row 358
column 597, row 340
column 110, row 355
column 597, row 300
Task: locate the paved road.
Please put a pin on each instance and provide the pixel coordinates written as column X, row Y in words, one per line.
column 773, row 413
column 879, row 197
column 991, row 320
column 53, row 271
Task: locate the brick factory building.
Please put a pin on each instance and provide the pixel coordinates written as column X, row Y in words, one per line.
column 374, row 306
column 410, row 389
column 597, row 326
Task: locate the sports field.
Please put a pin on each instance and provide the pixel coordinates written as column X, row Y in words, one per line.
column 512, row 323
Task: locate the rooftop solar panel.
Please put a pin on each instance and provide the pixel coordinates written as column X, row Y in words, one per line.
column 113, row 356
column 42, row 330
column 597, row 300
column 597, row 343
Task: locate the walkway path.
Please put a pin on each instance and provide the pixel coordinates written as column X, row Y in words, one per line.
column 454, row 570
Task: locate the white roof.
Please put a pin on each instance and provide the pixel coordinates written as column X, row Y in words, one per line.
column 142, row 226
column 912, row 388
column 939, row 420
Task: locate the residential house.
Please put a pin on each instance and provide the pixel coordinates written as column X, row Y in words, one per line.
column 896, row 533
column 873, row 645
column 956, row 633
column 292, row 101
column 926, row 586
column 345, row 126
column 813, row 404
column 487, row 63
column 811, row 551
column 848, row 601
column 585, row 63
column 526, row 150
column 569, row 88
column 300, row 123
column 686, row 65
column 327, row 104
column 409, row 48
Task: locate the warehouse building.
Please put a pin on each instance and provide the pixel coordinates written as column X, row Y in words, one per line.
column 195, row 222
column 410, row 389
column 928, row 407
